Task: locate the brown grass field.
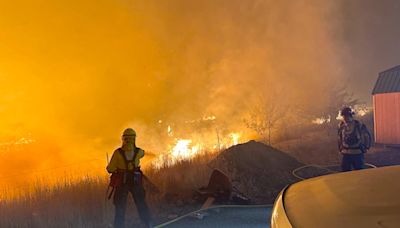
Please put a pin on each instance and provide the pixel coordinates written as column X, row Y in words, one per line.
column 83, row 203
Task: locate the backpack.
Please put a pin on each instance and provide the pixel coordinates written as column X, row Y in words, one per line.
column 359, row 138
column 366, row 138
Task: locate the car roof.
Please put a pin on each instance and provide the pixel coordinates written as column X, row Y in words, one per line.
column 365, row 198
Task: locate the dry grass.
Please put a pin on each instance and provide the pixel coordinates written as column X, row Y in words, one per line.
column 184, row 176
column 83, row 203
column 68, row 204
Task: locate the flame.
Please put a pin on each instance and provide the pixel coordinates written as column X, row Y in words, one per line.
column 181, row 151
column 169, row 130
column 339, row 117
column 15, row 145
column 321, row 120
column 362, row 110
column 21, row 141
column 205, row 118
column 235, row 138
column 187, row 149
column 193, row 142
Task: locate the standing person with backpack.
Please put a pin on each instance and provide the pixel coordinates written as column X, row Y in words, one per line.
column 126, row 177
column 354, row 140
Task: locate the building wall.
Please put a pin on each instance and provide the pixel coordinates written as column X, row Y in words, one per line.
column 387, row 118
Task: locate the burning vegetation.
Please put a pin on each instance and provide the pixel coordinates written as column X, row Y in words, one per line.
column 189, row 83
column 183, row 149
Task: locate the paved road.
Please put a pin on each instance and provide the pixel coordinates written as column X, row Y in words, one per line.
column 228, row 217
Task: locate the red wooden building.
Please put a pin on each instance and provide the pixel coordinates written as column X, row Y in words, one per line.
column 386, row 101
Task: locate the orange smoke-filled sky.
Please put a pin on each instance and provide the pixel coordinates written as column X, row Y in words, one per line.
column 74, row 74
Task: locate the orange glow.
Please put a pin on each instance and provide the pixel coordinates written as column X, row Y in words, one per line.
column 183, row 74
column 188, row 149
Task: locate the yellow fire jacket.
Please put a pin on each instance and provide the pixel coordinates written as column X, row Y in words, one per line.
column 117, row 162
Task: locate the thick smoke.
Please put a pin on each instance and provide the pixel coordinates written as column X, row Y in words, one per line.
column 75, row 73
column 369, row 32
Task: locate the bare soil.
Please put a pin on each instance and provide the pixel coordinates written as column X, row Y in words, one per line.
column 257, row 170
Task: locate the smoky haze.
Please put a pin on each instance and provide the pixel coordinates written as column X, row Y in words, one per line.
column 370, row 31
column 74, row 74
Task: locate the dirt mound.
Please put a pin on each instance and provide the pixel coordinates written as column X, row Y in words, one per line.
column 257, row 170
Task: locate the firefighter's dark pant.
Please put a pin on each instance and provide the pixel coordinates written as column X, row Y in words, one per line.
column 120, row 202
column 355, row 161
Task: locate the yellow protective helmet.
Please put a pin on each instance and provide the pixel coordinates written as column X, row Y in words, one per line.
column 129, row 132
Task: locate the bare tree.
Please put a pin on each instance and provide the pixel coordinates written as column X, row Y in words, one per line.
column 339, row 97
column 264, row 116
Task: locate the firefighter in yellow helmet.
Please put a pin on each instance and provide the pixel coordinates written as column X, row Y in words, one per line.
column 126, row 177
